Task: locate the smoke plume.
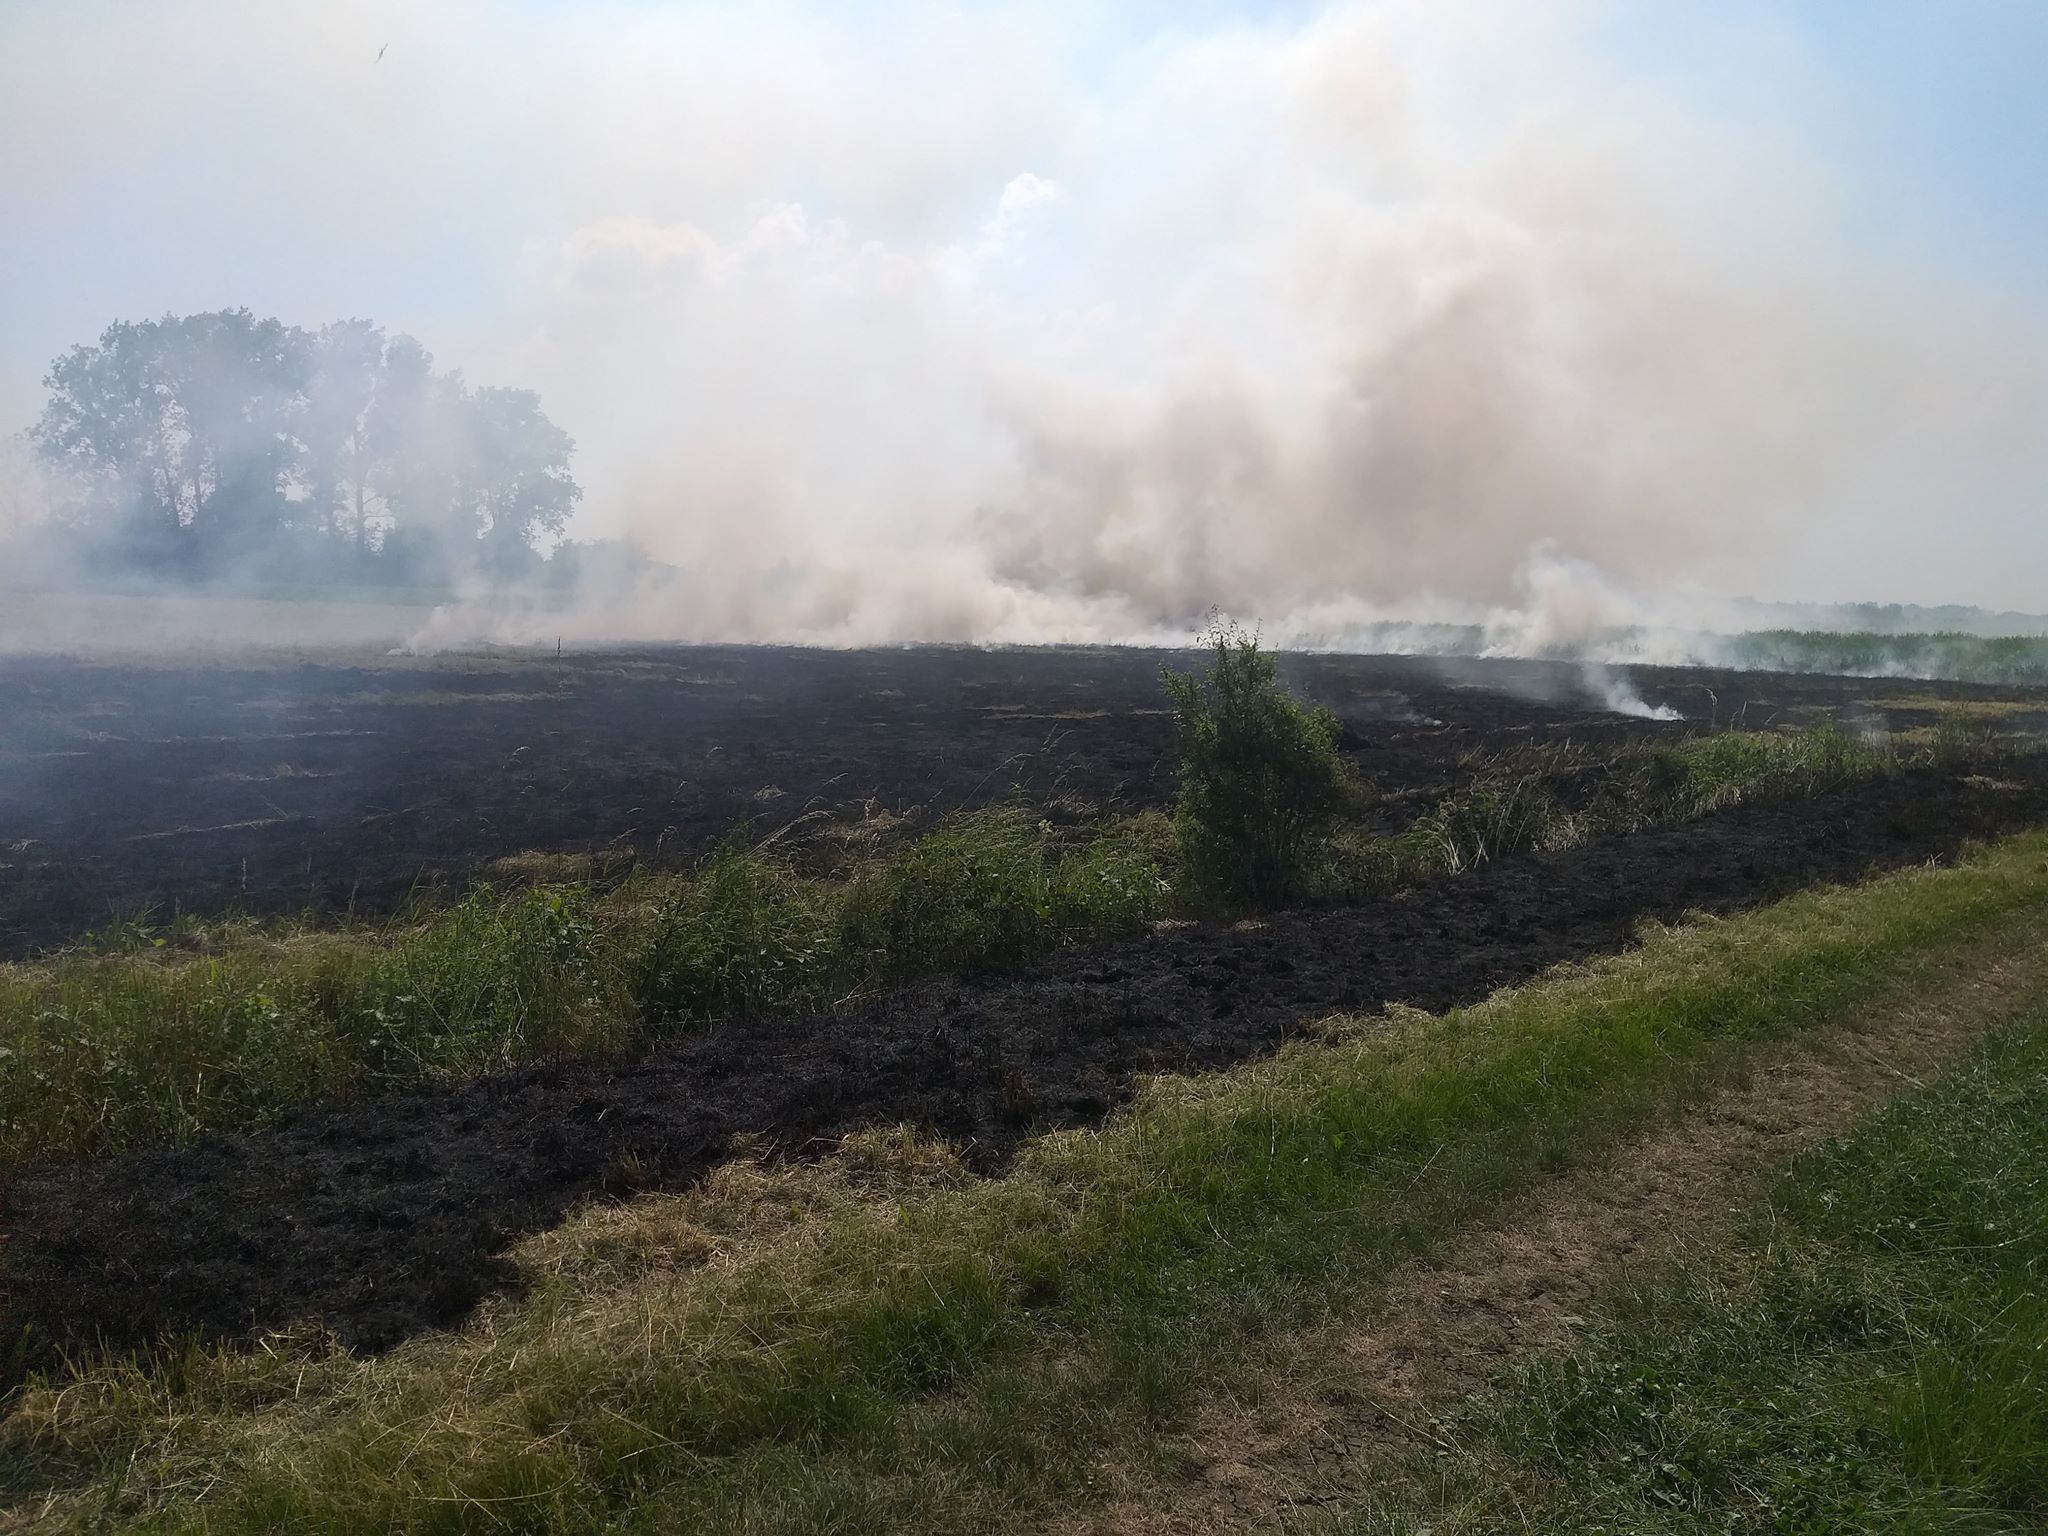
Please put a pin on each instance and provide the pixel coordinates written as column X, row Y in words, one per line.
column 1000, row 327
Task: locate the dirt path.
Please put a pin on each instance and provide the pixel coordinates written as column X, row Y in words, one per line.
column 1328, row 1412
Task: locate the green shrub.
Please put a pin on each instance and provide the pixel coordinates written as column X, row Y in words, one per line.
column 1261, row 781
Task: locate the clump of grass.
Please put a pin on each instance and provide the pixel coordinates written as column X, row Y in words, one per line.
column 1708, row 773
column 991, row 890
column 104, row 1052
column 745, row 936
column 1261, row 780
column 101, row 1052
column 1510, row 808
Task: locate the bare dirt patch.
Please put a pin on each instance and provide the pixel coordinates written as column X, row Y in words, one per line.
column 1333, row 1411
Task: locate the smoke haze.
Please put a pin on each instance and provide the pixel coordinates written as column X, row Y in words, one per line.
column 1032, row 324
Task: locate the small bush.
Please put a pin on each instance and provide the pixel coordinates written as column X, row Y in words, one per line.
column 1261, row 781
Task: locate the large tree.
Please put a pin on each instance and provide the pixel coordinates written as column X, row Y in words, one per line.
column 206, row 440
column 179, row 429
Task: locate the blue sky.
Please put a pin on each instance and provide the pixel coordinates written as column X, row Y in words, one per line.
column 1933, row 113
column 584, row 198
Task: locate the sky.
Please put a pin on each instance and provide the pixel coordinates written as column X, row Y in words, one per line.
column 1014, row 321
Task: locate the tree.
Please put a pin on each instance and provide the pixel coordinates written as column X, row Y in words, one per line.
column 219, row 439
column 178, row 427
column 338, row 430
column 1261, row 779
column 517, row 471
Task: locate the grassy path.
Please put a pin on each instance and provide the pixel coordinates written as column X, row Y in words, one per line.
column 885, row 1343
column 1867, row 1350
column 1333, row 1413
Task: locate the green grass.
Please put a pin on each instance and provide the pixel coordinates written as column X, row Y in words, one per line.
column 1940, row 656
column 954, row 1355
column 100, row 1052
column 1869, row 1354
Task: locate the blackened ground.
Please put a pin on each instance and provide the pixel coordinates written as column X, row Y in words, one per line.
column 127, row 790
column 388, row 1217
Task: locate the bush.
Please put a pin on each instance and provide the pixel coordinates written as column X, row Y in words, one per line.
column 1261, row 780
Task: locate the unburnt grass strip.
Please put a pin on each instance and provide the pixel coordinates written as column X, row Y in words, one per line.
column 949, row 1353
column 1867, row 1351
column 102, row 1053
column 1329, row 1417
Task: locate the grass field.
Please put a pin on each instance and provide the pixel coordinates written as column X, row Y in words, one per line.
column 883, row 1342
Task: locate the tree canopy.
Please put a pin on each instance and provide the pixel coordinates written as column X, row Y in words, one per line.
column 202, row 445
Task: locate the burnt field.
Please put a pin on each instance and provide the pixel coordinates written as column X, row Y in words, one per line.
column 322, row 787
column 133, row 793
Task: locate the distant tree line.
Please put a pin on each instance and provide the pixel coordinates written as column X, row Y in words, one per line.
column 212, row 445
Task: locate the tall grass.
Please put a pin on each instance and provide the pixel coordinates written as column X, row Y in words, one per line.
column 103, row 1052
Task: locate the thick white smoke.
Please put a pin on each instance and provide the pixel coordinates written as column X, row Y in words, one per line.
column 1038, row 324
column 1285, row 335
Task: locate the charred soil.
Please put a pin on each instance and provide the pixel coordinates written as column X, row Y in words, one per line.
column 388, row 1217
column 329, row 787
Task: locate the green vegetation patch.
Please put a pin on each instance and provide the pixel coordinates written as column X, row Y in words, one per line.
column 104, row 1052
column 957, row 1356
column 1869, row 1354
column 1947, row 657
